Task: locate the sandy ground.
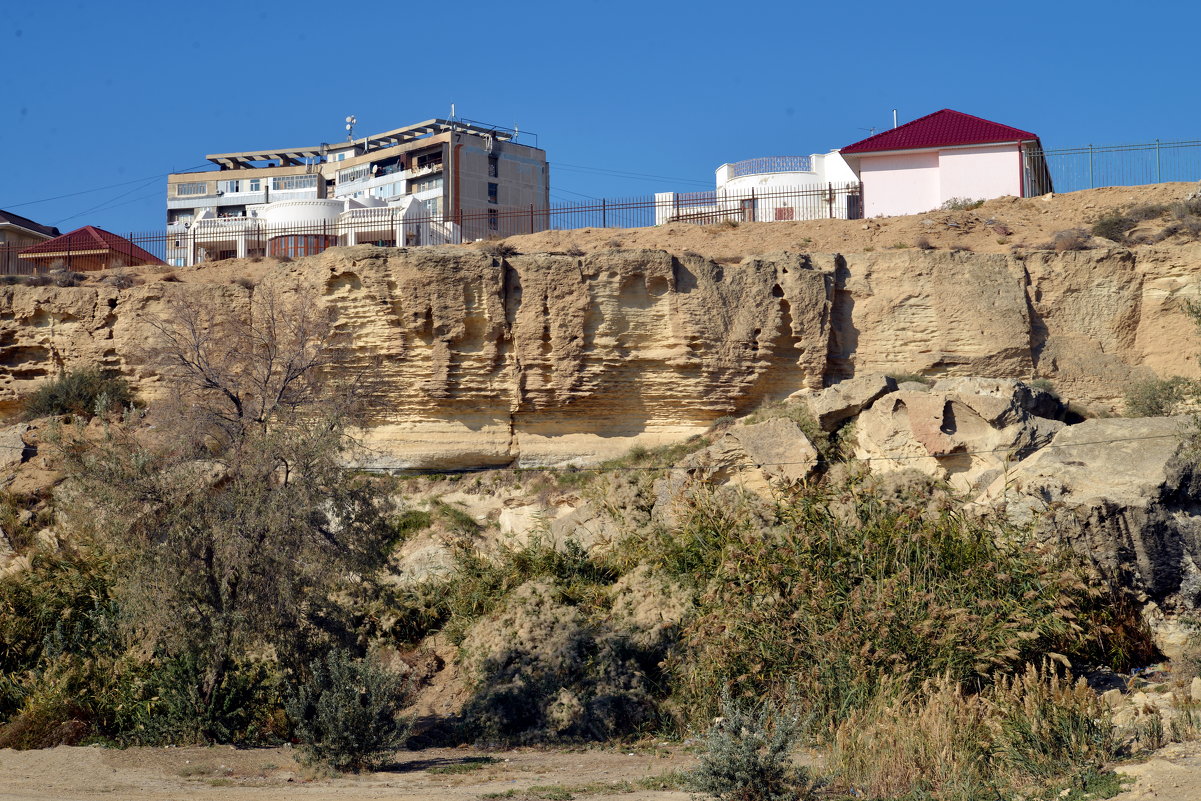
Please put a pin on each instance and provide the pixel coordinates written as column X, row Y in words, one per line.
column 1002, row 225
column 272, row 774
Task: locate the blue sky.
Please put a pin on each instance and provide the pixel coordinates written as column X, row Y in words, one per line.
column 116, row 95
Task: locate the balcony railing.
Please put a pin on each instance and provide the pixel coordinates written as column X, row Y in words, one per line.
column 772, row 164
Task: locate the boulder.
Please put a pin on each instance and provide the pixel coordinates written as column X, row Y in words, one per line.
column 842, row 401
column 1126, row 493
column 12, row 445
column 753, row 457
column 965, row 434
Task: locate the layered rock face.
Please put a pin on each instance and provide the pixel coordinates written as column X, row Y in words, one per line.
column 476, row 360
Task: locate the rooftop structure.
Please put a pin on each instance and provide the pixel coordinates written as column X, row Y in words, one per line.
column 922, row 164
column 87, row 248
column 463, row 179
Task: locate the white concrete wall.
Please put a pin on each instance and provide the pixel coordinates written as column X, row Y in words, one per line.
column 900, row 183
column 979, row 173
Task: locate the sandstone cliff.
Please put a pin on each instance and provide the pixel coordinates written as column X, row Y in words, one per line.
column 546, row 358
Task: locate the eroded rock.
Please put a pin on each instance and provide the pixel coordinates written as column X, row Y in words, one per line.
column 955, row 433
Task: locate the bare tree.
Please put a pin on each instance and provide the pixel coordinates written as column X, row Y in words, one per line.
column 236, row 522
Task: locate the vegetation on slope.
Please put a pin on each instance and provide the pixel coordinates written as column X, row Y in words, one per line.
column 215, row 575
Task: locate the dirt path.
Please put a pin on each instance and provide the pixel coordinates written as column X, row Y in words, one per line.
column 227, row 774
column 1172, row 774
column 272, row 774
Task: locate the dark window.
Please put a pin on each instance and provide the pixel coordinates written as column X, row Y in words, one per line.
column 493, row 191
column 493, row 220
column 493, row 167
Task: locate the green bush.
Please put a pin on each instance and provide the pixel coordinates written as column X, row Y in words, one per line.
column 1157, row 397
column 746, row 756
column 345, row 713
column 166, row 701
column 79, row 392
column 848, row 587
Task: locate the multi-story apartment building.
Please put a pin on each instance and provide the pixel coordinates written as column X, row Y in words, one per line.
column 434, row 182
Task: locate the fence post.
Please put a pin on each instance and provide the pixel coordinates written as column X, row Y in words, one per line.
column 531, row 218
column 754, row 206
column 1158, row 166
column 830, row 198
column 604, row 215
column 1091, row 183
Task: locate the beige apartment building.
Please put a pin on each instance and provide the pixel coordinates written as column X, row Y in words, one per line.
column 434, row 182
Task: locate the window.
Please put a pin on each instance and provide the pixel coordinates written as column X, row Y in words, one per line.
column 198, row 188
column 493, row 191
column 425, row 184
column 493, row 167
column 433, row 206
column 285, row 182
column 429, row 160
column 255, row 185
column 351, row 174
column 228, row 186
column 493, row 220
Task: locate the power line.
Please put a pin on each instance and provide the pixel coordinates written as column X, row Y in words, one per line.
column 626, row 174
column 109, row 203
column 97, row 189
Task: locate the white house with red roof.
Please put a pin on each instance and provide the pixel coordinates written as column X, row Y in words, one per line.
column 922, row 164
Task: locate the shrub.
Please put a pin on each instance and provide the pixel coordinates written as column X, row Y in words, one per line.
column 849, row 587
column 923, row 243
column 165, row 701
column 1070, row 239
column 79, row 392
column 1035, row 732
column 244, row 282
column 120, row 280
column 171, row 278
column 497, row 247
column 1156, row 397
column 1112, row 226
column 961, row 204
column 344, row 713
column 39, row 279
column 746, row 755
column 65, row 278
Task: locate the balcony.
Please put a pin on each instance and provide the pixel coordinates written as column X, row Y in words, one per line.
column 771, row 164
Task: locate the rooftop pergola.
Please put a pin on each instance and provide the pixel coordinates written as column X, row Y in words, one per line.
column 287, row 157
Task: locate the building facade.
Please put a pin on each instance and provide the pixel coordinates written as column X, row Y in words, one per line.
column 769, row 189
column 918, row 166
column 434, row 182
column 16, row 234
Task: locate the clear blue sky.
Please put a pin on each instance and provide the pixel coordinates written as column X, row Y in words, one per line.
column 98, row 94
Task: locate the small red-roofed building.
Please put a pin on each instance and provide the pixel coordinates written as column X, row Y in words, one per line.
column 922, row 164
column 87, row 248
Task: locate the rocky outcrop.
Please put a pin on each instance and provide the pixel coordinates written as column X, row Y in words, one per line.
column 834, row 405
column 963, row 431
column 545, row 359
column 1124, row 492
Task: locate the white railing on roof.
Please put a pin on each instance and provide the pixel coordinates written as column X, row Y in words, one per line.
column 771, row 164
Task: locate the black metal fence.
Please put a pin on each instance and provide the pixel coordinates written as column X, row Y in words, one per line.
column 1124, row 165
column 214, row 239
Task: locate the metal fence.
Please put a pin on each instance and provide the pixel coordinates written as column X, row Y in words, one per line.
column 1124, row 165
column 214, row 239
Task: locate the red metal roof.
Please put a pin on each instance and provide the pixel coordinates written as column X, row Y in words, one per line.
column 940, row 129
column 91, row 238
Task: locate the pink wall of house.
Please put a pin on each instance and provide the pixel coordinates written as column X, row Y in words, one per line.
column 980, row 172
column 921, row 180
column 900, row 183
